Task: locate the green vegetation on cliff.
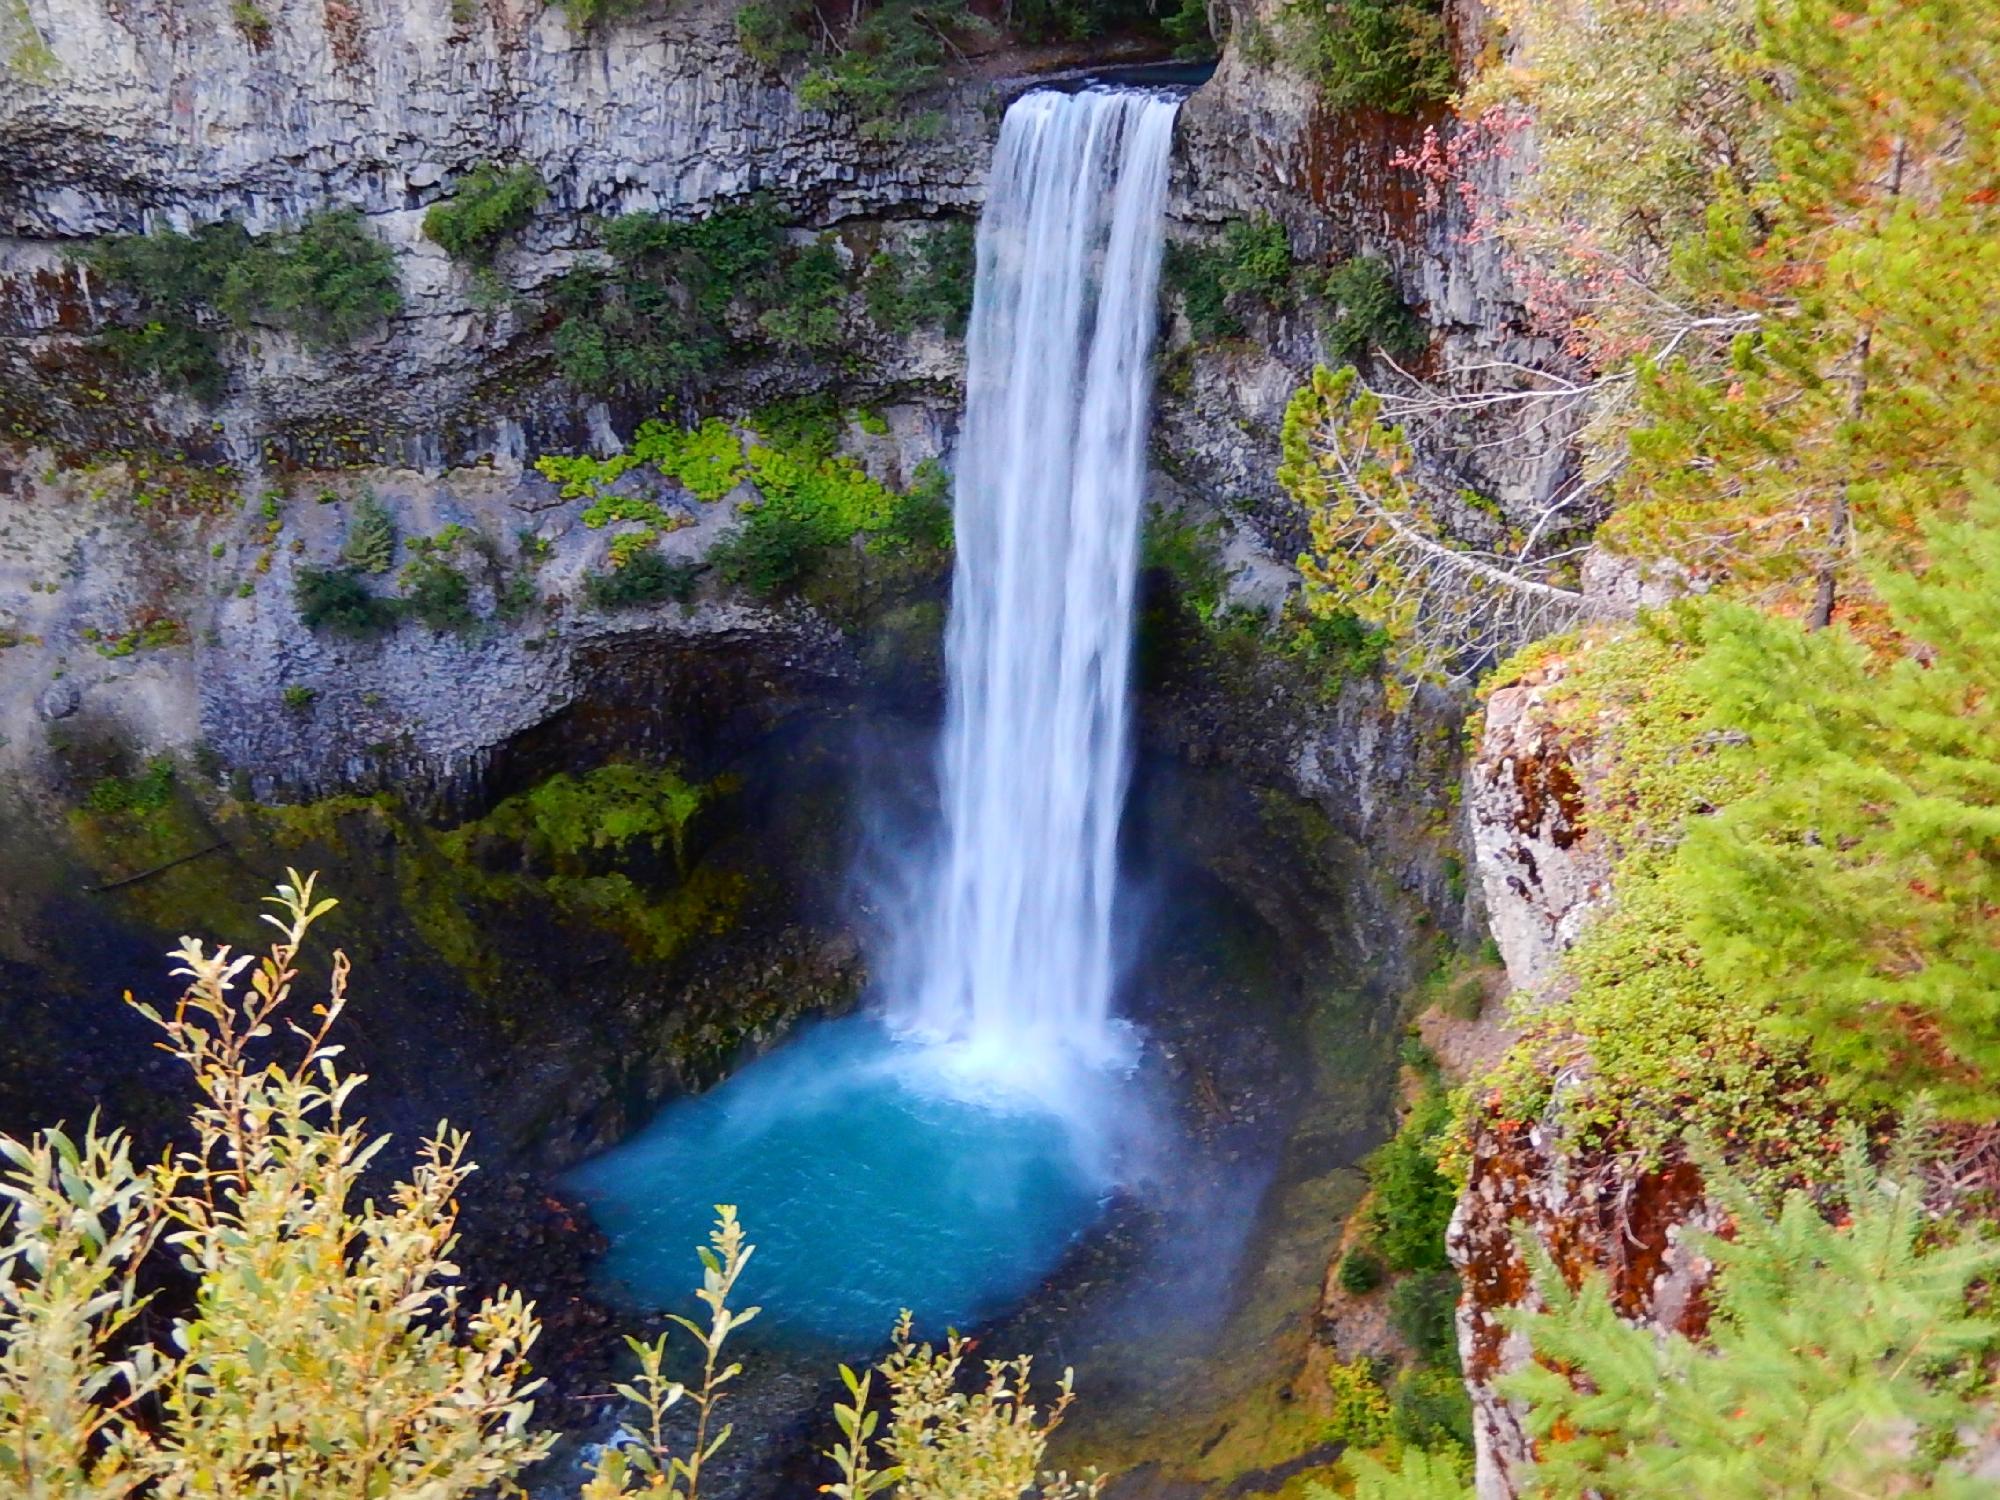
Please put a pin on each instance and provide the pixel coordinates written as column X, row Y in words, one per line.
column 485, row 208
column 1393, row 55
column 326, row 280
column 1771, row 232
column 1250, row 270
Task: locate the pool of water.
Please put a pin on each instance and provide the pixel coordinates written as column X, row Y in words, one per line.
column 870, row 1179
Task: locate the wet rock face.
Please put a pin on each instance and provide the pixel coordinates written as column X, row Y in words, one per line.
column 1542, row 868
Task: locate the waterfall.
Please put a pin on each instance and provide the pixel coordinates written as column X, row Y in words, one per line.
column 1013, row 961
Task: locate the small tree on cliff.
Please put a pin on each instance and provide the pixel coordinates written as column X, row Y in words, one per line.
column 1843, row 1357
column 1382, row 552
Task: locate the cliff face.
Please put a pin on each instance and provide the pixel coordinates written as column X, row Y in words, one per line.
column 1545, row 873
column 131, row 116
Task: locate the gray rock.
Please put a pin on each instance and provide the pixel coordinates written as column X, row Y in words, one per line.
column 60, row 699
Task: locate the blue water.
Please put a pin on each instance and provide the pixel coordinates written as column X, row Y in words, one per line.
column 866, row 1187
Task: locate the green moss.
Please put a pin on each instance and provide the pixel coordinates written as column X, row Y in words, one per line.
column 568, row 834
column 655, row 925
column 137, row 796
column 1658, row 1047
column 610, row 808
column 298, row 825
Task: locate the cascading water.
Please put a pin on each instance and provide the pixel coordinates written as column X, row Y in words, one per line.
column 870, row 1175
column 1014, row 957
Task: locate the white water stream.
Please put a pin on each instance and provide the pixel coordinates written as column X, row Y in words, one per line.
column 869, row 1187
column 1014, row 956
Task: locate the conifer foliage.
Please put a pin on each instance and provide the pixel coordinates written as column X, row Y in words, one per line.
column 1842, row 1358
column 1856, row 892
column 1865, row 379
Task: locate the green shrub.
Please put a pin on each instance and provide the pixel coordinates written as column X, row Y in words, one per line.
column 486, row 207
column 180, row 355
column 1336, row 642
column 928, row 286
column 584, row 14
column 1421, row 1309
column 252, row 20
column 770, row 551
column 1251, row 265
column 297, row 697
column 1368, row 312
column 176, row 280
column 803, row 312
column 808, row 426
column 1192, row 25
column 1361, row 1271
column 1430, row 1407
column 1412, row 1200
column 370, row 546
column 436, row 593
column 1186, row 551
column 1257, row 260
column 657, row 317
column 1391, row 54
column 920, row 518
column 1361, row 1411
column 1191, row 273
column 518, row 597
column 645, row 578
column 327, row 281
column 336, row 599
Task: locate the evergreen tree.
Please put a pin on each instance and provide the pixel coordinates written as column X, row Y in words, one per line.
column 1856, row 893
column 1381, row 548
column 1865, row 263
column 1841, row 1359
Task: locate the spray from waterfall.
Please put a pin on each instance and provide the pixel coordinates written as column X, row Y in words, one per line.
column 1012, row 954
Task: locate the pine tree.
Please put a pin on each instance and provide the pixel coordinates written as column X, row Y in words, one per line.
column 1868, row 260
column 1841, row 1359
column 1857, row 893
